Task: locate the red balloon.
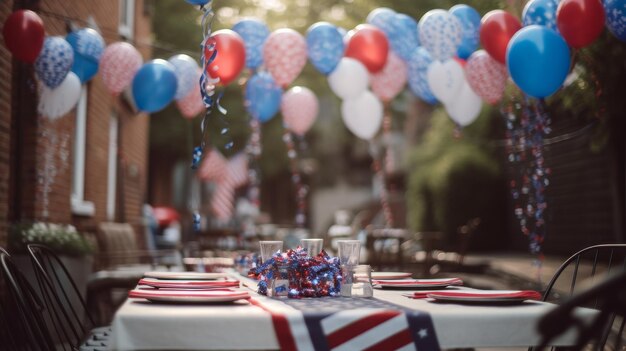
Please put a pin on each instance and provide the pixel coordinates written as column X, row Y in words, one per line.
column 165, row 215
column 496, row 29
column 580, row 22
column 370, row 46
column 23, row 35
column 230, row 58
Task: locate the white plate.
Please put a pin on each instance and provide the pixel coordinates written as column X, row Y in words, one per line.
column 189, row 284
column 493, row 296
column 185, row 275
column 390, row 275
column 189, row 296
column 417, row 283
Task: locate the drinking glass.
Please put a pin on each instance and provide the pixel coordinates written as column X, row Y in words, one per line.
column 269, row 248
column 362, row 281
column 312, row 246
column 348, row 252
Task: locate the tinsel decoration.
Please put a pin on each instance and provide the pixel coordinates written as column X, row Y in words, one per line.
column 296, row 179
column 308, row 276
column 527, row 125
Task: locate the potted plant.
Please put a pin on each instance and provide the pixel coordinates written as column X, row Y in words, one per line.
column 74, row 250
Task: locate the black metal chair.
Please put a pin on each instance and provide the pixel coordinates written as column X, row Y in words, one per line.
column 67, row 309
column 588, row 279
column 22, row 325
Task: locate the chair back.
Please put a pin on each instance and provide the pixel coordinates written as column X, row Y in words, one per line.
column 66, row 307
column 587, row 268
column 22, row 326
column 114, row 241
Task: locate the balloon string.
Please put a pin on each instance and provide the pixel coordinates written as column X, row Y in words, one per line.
column 296, row 178
column 382, row 167
column 206, row 91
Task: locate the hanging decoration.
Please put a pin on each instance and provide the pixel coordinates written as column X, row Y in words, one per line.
column 440, row 33
column 228, row 54
column 262, row 98
column 57, row 102
column 186, row 70
column 538, row 60
column 285, row 54
column 469, row 19
column 299, row 107
column 445, row 79
column 615, row 11
column 325, row 46
column 369, row 45
column 390, row 81
column 88, row 46
column 118, row 64
column 191, row 105
column 363, row 115
column 154, row 86
column 417, row 75
column 527, row 126
column 349, row 79
column 580, row 22
column 486, row 76
column 24, row 35
column 541, row 12
column 496, row 29
column 254, row 33
column 54, row 61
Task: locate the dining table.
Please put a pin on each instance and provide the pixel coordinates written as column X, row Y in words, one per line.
column 391, row 319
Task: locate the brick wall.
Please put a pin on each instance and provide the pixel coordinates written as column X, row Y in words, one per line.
column 43, row 161
column 6, row 7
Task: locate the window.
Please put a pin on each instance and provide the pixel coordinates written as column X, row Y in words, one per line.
column 127, row 17
column 112, row 168
column 79, row 205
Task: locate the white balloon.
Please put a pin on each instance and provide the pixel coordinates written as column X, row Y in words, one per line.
column 349, row 79
column 55, row 103
column 445, row 79
column 465, row 108
column 363, row 115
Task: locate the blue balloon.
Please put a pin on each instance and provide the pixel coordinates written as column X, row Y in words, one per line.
column 418, row 67
column 325, row 46
column 615, row 11
column 54, row 61
column 403, row 38
column 538, row 60
column 541, row 12
column 154, row 85
column 88, row 46
column 198, row 2
column 470, row 24
column 263, row 96
column 254, row 33
column 382, row 18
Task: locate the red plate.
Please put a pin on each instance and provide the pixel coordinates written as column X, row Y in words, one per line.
column 497, row 296
column 189, row 296
column 390, row 275
column 189, row 284
column 417, row 283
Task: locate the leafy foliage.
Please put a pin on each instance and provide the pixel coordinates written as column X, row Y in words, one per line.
column 63, row 239
column 453, row 180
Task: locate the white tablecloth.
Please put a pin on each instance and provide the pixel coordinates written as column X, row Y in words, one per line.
column 142, row 325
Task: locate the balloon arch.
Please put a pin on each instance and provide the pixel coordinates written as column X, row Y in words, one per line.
column 439, row 58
